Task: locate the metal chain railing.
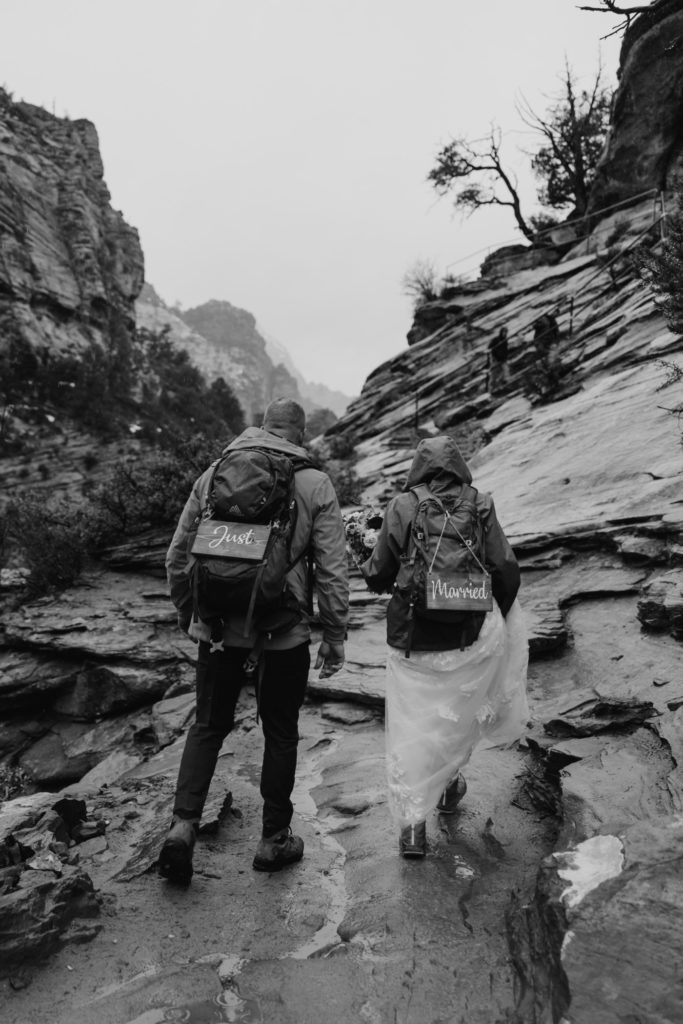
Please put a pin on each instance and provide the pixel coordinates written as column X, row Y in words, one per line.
column 585, row 219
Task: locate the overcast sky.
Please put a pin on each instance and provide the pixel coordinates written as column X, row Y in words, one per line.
column 274, row 152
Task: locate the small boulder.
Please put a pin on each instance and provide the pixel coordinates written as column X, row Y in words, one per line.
column 660, row 607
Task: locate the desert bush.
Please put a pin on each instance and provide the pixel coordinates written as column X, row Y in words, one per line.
column 13, row 781
column 51, row 537
column 421, row 283
column 344, row 481
column 340, row 446
column 148, row 491
column 542, row 223
column 54, row 538
column 450, row 283
column 318, row 421
column 673, row 374
column 336, row 457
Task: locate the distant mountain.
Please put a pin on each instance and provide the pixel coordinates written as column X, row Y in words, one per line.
column 313, row 394
column 222, row 341
column 225, row 341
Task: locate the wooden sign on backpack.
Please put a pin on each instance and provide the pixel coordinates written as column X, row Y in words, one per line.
column 458, row 591
column 221, row 539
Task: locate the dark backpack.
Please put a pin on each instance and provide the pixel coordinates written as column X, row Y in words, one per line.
column 443, row 574
column 241, row 547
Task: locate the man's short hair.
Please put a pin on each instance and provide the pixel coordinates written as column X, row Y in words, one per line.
column 284, row 414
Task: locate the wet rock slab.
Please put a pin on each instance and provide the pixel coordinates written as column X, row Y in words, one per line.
column 614, row 881
column 110, row 618
column 46, row 898
column 80, row 664
column 624, row 925
column 37, row 916
column 600, row 715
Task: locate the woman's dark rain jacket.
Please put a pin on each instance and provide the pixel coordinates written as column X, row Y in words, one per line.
column 438, row 465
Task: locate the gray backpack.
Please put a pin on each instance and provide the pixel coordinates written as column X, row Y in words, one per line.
column 444, row 573
column 241, row 545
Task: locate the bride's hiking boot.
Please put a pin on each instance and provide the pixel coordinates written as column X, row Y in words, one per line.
column 175, row 859
column 452, row 795
column 277, row 851
column 413, row 840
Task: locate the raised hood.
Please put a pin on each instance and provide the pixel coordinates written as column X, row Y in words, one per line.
column 439, row 465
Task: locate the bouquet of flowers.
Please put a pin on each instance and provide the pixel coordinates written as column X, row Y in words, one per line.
column 361, row 530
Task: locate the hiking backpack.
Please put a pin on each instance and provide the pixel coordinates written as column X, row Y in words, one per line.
column 444, row 572
column 241, row 550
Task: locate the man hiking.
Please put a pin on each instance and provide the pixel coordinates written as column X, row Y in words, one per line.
column 267, row 644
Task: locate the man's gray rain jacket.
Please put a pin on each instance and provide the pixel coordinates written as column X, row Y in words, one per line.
column 319, row 527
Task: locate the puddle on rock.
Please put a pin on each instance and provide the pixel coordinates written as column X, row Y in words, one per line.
column 326, row 937
column 226, row 1008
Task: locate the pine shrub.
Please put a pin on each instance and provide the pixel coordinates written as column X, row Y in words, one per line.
column 662, row 268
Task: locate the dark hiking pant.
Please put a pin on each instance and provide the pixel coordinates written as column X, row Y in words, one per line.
column 220, row 677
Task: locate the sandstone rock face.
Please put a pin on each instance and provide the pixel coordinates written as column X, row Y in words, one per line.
column 69, row 263
column 603, row 453
column 644, row 149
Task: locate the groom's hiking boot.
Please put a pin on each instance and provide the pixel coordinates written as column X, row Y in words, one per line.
column 276, row 852
column 452, row 795
column 413, row 840
column 175, row 859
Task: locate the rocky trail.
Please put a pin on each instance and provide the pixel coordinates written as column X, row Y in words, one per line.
column 472, row 934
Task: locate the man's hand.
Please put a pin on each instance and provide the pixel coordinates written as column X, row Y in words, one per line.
column 330, row 659
column 195, row 630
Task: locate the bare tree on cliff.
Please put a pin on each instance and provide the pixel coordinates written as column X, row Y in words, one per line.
column 573, row 130
column 613, row 7
column 478, row 167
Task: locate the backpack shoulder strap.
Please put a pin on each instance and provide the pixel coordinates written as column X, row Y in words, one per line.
column 209, row 487
column 422, row 493
column 416, row 534
column 469, row 494
column 301, row 462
